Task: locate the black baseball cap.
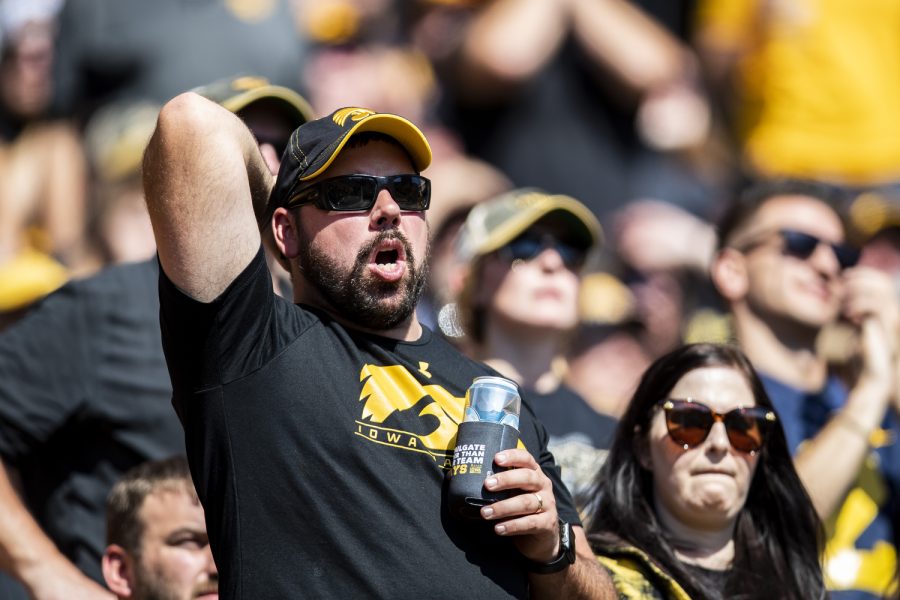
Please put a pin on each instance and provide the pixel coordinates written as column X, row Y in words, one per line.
column 314, row 145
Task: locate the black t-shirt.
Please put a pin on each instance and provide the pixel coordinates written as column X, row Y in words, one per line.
column 320, row 454
column 580, row 437
column 84, row 396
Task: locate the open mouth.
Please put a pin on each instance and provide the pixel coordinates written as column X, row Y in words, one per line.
column 388, row 259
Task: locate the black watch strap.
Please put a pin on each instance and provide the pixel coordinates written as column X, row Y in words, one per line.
column 566, row 553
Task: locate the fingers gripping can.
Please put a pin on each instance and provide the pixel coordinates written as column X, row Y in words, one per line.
column 490, row 424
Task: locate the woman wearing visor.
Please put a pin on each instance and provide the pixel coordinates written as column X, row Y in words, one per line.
column 699, row 497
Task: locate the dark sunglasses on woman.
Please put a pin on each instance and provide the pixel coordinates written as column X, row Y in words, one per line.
column 359, row 192
column 689, row 423
column 528, row 247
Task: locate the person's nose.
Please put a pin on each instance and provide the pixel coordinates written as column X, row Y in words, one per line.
column 211, row 568
column 550, row 260
column 825, row 260
column 385, row 214
column 717, row 439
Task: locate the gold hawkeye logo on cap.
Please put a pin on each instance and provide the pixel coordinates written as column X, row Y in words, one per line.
column 354, row 113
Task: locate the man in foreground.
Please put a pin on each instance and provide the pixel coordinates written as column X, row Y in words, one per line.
column 324, row 429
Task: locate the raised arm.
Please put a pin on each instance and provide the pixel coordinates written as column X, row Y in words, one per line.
column 507, row 42
column 205, row 182
column 843, row 444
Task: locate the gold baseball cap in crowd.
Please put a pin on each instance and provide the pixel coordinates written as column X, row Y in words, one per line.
column 237, row 93
column 494, row 223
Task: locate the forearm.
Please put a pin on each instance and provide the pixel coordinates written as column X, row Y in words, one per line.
column 583, row 580
column 26, row 552
column 510, row 40
column 829, row 463
column 629, row 45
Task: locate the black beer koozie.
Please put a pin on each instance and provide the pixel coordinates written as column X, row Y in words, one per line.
column 477, row 443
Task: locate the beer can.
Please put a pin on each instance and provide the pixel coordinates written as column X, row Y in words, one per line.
column 494, row 400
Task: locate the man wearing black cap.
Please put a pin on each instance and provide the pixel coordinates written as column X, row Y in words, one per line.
column 320, row 433
column 84, row 393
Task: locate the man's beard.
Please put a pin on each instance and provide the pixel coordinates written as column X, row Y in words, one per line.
column 151, row 585
column 360, row 297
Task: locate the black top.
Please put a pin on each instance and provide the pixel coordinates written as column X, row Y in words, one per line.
column 84, row 396
column 320, row 454
column 580, row 437
column 109, row 50
column 713, row 579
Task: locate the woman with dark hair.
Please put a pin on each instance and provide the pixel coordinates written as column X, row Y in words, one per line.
column 699, row 497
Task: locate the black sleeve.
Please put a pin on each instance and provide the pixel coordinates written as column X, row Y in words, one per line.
column 210, row 344
column 44, row 374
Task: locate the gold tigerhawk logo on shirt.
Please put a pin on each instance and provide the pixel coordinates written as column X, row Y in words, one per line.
column 353, row 113
column 401, row 412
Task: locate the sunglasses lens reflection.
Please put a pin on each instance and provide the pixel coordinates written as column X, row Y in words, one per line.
column 744, row 429
column 689, row 423
column 359, row 192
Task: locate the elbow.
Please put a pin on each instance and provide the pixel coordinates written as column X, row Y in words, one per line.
column 186, row 114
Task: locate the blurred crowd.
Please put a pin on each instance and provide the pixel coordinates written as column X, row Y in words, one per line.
column 625, row 131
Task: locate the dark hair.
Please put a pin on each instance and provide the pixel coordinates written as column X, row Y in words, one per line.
column 123, row 526
column 751, row 198
column 777, row 536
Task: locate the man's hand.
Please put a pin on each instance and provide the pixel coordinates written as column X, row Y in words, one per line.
column 532, row 519
column 531, row 515
column 871, row 303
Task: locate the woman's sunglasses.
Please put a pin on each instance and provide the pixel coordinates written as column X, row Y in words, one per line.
column 689, row 423
column 359, row 192
column 529, row 247
column 802, row 245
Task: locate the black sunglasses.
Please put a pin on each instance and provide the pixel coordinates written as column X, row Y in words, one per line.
column 528, row 247
column 689, row 423
column 359, row 192
column 802, row 245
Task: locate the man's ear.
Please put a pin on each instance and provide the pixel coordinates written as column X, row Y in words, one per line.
column 729, row 274
column 284, row 228
column 118, row 571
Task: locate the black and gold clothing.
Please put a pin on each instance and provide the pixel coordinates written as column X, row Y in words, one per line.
column 320, row 454
column 860, row 561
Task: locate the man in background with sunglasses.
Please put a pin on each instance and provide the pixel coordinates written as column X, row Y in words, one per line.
column 787, row 274
column 325, row 428
column 525, row 252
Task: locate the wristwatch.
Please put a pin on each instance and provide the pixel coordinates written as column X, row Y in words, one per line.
column 566, row 553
